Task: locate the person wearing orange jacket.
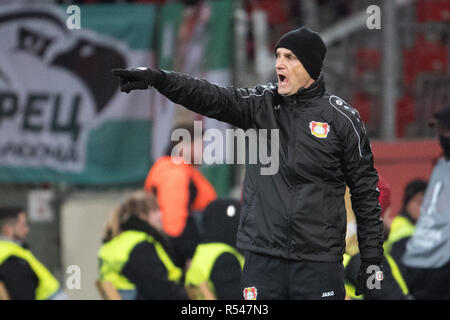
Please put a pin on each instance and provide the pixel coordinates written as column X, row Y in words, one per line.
column 181, row 189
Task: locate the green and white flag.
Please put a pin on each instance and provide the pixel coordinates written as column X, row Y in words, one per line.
column 62, row 117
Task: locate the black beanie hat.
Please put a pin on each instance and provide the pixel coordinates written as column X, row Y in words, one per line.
column 220, row 221
column 308, row 46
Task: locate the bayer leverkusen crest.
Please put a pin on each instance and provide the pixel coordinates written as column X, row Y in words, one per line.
column 250, row 293
column 319, row 129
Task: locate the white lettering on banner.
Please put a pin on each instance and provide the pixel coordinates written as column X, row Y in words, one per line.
column 57, row 92
column 41, row 128
column 33, row 113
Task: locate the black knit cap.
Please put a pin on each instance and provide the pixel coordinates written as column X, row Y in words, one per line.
column 220, row 221
column 308, row 46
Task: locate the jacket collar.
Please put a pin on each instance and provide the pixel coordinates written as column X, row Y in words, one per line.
column 22, row 244
column 136, row 224
column 316, row 90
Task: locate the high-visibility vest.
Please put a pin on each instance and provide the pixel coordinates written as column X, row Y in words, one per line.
column 47, row 283
column 401, row 228
column 350, row 288
column 203, row 262
column 115, row 253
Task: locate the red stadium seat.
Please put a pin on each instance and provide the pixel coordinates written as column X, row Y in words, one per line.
column 433, row 10
column 405, row 114
column 276, row 11
column 361, row 101
column 367, row 60
column 424, row 56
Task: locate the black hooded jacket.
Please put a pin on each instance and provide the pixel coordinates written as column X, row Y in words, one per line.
column 298, row 212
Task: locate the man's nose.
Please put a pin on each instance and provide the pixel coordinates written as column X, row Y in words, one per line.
column 279, row 64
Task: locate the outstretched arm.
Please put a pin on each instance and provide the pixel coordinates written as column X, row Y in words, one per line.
column 228, row 104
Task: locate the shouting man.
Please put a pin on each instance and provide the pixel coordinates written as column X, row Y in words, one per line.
column 293, row 222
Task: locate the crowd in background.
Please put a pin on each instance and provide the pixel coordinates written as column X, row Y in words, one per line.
column 174, row 239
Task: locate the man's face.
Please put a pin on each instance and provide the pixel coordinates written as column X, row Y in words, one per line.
column 413, row 206
column 18, row 229
column 290, row 72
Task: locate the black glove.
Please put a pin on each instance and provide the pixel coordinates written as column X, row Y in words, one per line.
column 375, row 272
column 136, row 78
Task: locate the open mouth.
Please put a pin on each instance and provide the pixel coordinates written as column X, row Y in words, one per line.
column 282, row 79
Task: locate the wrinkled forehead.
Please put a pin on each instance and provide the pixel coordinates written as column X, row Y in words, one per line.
column 284, row 51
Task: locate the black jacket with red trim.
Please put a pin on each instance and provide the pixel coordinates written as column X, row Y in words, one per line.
column 298, row 212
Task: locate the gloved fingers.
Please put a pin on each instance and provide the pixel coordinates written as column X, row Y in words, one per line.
column 123, row 73
column 140, row 73
column 129, row 86
column 123, row 81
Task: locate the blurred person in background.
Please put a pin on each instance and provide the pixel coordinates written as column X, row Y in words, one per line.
column 394, row 285
column 25, row 278
column 402, row 227
column 216, row 260
column 293, row 225
column 182, row 191
column 135, row 256
column 427, row 255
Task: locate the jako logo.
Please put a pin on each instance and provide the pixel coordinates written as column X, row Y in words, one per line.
column 327, row 294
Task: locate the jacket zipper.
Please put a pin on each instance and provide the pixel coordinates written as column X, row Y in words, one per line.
column 293, row 186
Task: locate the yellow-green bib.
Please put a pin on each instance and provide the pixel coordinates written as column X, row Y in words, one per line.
column 114, row 255
column 350, row 289
column 48, row 285
column 203, row 262
column 401, row 228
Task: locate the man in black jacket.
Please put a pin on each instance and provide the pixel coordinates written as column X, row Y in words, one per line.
column 24, row 276
column 293, row 222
